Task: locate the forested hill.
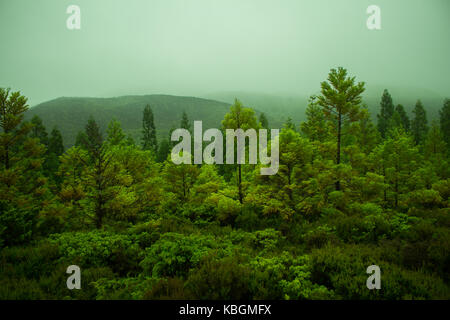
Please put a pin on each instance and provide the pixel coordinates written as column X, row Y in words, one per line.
column 70, row 115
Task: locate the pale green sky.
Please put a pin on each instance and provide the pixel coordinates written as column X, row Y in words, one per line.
column 194, row 47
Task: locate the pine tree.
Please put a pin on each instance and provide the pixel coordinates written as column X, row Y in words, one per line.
column 184, row 124
column 115, row 135
column 54, row 150
column 93, row 139
column 444, row 117
column 240, row 118
column 397, row 158
column 12, row 111
column 23, row 188
column 419, row 127
column 386, row 112
column 149, row 131
column 38, row 130
column 341, row 98
column 316, row 126
column 163, row 151
column 179, row 179
column 263, row 120
column 434, row 142
column 367, row 135
column 55, row 142
column 404, row 119
column 395, row 123
column 289, row 124
column 99, row 161
column 80, row 138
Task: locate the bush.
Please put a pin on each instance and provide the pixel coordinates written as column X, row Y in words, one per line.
column 285, row 277
column 220, row 278
column 31, row 262
column 97, row 249
column 343, row 269
column 16, row 225
column 319, row 237
column 175, row 254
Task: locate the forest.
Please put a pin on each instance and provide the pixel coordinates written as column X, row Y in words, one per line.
column 350, row 192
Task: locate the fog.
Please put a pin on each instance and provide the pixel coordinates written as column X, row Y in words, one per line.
column 195, row 47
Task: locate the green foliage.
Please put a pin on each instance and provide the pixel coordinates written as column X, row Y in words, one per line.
column 343, row 271
column 175, row 254
column 96, row 249
column 16, row 225
column 386, row 113
column 419, row 125
column 444, row 118
column 218, row 278
column 149, row 131
column 346, row 196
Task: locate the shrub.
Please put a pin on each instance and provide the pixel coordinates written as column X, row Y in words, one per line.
column 343, row 269
column 16, row 225
column 220, row 278
column 98, row 248
column 174, row 254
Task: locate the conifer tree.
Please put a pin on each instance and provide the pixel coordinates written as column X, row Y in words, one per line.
column 54, row 150
column 340, row 99
column 163, row 150
column 243, row 118
column 55, row 142
column 404, row 119
column 115, row 135
column 434, row 142
column 263, row 120
column 184, row 124
column 38, row 130
column 444, row 117
column 386, row 112
column 316, row 126
column 23, row 188
column 149, row 130
column 419, row 125
column 99, row 161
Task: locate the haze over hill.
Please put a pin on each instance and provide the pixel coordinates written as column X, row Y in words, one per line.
column 70, row 114
column 196, row 47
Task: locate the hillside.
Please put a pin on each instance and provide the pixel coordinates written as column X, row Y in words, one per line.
column 71, row 114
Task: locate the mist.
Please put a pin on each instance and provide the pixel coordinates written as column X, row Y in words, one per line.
column 198, row 47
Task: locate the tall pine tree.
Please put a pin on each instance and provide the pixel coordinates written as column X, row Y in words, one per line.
column 419, row 127
column 404, row 119
column 23, row 188
column 386, row 113
column 184, row 124
column 340, row 99
column 243, row 118
column 149, row 131
column 55, row 142
column 38, row 130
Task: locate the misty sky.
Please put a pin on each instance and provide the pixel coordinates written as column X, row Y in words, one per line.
column 194, row 47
